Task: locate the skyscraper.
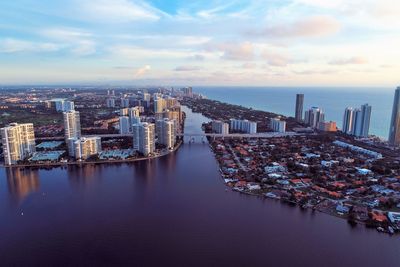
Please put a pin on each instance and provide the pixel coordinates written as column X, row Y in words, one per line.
column 72, row 125
column 165, row 129
column 299, row 107
column 314, row 116
column 87, row 146
column 348, row 120
column 143, row 138
column 394, row 131
column 18, row 142
column 361, row 121
column 124, row 125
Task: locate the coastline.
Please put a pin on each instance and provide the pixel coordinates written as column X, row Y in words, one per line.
column 61, row 164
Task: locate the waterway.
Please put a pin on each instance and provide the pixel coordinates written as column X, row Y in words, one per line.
column 170, row 211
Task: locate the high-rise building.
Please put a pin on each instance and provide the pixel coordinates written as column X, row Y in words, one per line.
column 220, row 127
column 277, row 125
column 124, row 125
column 187, row 91
column 361, row 121
column 159, row 105
column 143, row 138
column 134, row 116
column 299, row 107
column 124, row 112
column 165, row 130
column 68, row 106
column 314, row 116
column 72, row 125
column 18, row 142
column 245, row 126
column 110, row 102
column 394, row 131
column 124, row 102
column 63, row 105
column 348, row 120
column 86, row 147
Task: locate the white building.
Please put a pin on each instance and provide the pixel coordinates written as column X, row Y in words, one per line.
column 124, row 125
column 220, row 127
column 245, row 126
column 63, row 105
column 144, row 138
column 18, row 142
column 165, row 130
column 86, row 147
column 277, row 125
column 72, row 124
column 314, row 116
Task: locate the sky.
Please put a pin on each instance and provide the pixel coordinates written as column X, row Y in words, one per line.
column 178, row 42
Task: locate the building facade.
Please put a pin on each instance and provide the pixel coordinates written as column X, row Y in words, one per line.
column 165, row 130
column 277, row 125
column 18, row 142
column 245, row 126
column 124, row 125
column 144, row 138
column 299, row 107
column 314, row 116
column 86, row 147
column 220, row 127
column 394, row 131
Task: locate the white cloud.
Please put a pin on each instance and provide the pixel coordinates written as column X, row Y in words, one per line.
column 187, row 68
column 349, row 61
column 118, row 11
column 142, row 71
column 233, row 51
column 10, row 45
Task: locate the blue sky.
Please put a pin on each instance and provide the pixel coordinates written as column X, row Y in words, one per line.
column 277, row 42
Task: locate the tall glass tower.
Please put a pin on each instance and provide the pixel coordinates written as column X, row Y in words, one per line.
column 394, row 131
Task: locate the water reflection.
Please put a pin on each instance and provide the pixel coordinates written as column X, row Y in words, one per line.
column 21, row 183
column 84, row 175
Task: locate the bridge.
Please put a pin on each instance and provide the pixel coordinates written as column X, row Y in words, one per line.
column 213, row 135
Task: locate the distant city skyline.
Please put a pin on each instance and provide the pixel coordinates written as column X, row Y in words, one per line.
column 251, row 43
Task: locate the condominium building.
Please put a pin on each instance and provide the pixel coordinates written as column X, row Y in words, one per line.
column 64, row 105
column 124, row 102
column 348, row 120
column 299, row 107
column 278, row 125
column 394, row 131
column 165, row 130
column 124, row 125
column 314, row 116
column 18, row 142
column 220, row 127
column 144, row 138
column 159, row 105
column 86, row 147
column 110, row 102
column 72, row 125
column 356, row 121
column 245, row 126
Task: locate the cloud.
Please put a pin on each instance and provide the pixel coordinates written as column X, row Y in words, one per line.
column 276, row 60
column 187, row 68
column 233, row 51
column 314, row 26
column 349, row 61
column 315, row 72
column 10, row 45
column 197, row 57
column 142, row 71
column 249, row 65
column 84, row 48
column 117, row 11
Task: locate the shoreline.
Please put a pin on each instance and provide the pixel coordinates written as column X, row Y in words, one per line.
column 61, row 164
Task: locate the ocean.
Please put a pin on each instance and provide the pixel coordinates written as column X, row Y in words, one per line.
column 333, row 101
